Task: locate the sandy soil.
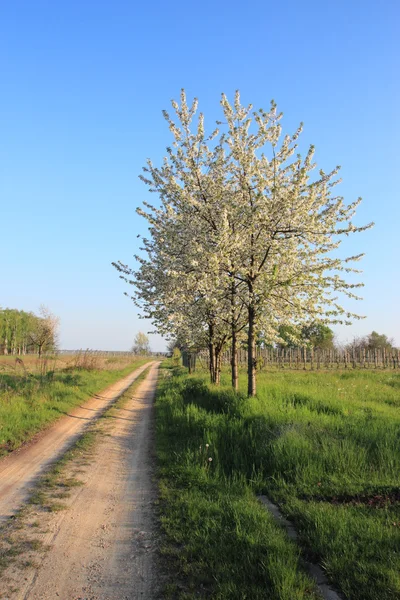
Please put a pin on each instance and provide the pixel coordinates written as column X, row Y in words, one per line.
column 103, row 547
column 19, row 470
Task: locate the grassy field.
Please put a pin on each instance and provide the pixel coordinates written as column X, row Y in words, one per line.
column 325, row 446
column 88, row 360
column 35, row 394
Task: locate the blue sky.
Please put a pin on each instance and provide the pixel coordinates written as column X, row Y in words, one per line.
column 82, row 87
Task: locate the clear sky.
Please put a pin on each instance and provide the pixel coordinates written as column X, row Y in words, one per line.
column 82, row 86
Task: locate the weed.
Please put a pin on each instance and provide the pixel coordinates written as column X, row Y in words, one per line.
column 32, row 545
column 55, row 506
column 37, row 497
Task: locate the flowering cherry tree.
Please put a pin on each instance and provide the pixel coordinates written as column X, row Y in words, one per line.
column 244, row 236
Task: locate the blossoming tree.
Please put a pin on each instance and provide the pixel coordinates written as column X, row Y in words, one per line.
column 244, row 236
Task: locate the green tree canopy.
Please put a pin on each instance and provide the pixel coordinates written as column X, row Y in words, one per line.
column 315, row 335
column 23, row 333
column 377, row 341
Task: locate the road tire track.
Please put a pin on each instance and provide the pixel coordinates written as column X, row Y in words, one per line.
column 20, row 470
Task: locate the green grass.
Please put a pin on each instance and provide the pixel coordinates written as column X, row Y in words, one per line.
column 30, row 402
column 219, row 543
column 324, row 445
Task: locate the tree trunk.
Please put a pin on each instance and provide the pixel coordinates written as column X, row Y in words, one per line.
column 218, row 361
column 251, row 340
column 234, row 360
column 191, row 360
column 251, row 351
column 211, row 348
column 14, row 342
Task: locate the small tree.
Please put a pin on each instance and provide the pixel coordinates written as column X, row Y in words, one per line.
column 318, row 336
column 141, row 344
column 379, row 341
column 44, row 331
column 358, row 344
column 314, row 335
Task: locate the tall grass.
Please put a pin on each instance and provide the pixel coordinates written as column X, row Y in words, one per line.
column 324, row 445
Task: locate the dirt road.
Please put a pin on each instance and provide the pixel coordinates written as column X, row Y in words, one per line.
column 103, row 546
column 19, row 470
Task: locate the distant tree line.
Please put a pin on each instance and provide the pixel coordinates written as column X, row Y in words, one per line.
column 315, row 336
column 321, row 337
column 24, row 332
column 372, row 341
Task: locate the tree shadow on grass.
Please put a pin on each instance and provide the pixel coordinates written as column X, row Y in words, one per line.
column 214, row 400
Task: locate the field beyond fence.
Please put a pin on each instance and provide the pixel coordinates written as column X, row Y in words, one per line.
column 309, row 359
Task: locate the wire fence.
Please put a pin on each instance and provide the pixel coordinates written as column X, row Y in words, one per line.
column 309, row 359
